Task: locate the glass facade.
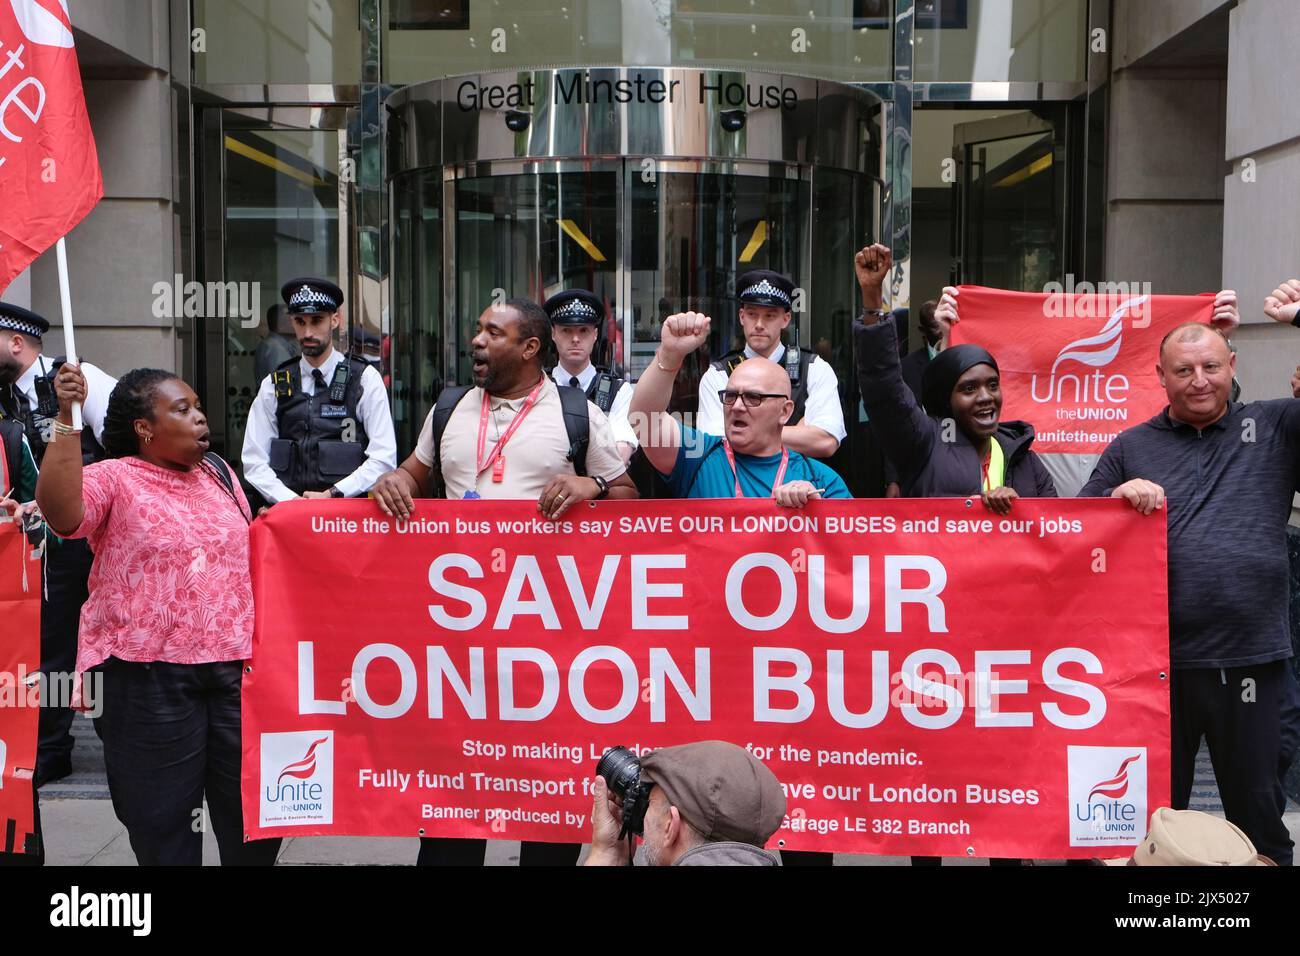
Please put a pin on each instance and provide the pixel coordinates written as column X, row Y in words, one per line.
column 281, row 42
column 995, row 41
column 292, row 119
column 837, row 39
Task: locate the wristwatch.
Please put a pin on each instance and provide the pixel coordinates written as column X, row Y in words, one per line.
column 875, row 315
column 335, row 493
column 603, row 485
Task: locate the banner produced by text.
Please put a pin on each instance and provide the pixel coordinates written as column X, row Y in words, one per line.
column 20, row 655
column 923, row 676
column 1079, row 368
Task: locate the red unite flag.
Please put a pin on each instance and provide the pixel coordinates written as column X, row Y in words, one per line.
column 1079, row 367
column 49, row 170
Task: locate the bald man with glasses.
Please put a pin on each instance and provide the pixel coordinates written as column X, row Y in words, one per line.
column 749, row 460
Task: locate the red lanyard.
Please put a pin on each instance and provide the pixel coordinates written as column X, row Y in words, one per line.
column 780, row 471
column 497, row 459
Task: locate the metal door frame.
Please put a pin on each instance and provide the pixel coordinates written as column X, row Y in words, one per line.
column 992, row 130
column 208, row 370
column 624, row 167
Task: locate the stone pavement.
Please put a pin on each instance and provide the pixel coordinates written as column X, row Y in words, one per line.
column 81, row 830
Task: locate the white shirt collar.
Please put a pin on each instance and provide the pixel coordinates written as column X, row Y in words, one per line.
column 776, row 356
column 27, row 381
column 327, row 369
column 561, row 377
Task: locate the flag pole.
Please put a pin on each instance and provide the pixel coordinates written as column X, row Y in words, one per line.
column 65, row 300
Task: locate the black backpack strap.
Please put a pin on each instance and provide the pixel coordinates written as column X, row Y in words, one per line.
column 11, row 433
column 447, row 401
column 577, row 425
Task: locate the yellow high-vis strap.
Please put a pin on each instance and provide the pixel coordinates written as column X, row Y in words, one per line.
column 997, row 466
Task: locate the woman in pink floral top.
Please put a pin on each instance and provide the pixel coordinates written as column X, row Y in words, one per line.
column 169, row 619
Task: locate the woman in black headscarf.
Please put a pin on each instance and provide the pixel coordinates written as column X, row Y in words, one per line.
column 957, row 446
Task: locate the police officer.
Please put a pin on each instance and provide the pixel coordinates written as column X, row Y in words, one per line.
column 816, row 427
column 576, row 319
column 27, row 396
column 320, row 426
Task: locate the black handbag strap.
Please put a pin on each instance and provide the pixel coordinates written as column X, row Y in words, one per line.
column 217, row 467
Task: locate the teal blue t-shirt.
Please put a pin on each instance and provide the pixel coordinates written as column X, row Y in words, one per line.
column 702, row 471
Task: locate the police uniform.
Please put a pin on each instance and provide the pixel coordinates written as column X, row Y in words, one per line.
column 318, row 429
column 31, row 401
column 607, row 390
column 813, row 384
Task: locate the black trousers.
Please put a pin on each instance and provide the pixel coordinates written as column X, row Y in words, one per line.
column 458, row 851
column 171, row 736
column 1241, row 712
column 67, row 569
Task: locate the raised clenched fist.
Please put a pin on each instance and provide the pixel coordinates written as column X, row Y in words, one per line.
column 683, row 333
column 1284, row 304
column 872, row 264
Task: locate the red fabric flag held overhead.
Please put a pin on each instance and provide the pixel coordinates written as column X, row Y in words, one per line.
column 49, row 170
column 1080, row 368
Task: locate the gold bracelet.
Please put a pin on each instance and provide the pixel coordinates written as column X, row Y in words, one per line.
column 62, row 429
column 672, row 371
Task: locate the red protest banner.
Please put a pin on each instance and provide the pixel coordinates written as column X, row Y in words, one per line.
column 1079, row 368
column 49, row 169
column 923, row 676
column 20, row 655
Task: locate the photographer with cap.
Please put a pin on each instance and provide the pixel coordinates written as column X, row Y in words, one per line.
column 709, row 803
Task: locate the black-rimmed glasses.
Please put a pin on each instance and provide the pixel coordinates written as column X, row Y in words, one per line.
column 751, row 399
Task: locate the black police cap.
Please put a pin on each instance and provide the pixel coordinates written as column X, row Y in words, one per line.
column 575, row 307
column 764, row 287
column 307, row 296
column 17, row 319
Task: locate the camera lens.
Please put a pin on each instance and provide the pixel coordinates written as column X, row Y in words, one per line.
column 621, row 770
column 517, row 121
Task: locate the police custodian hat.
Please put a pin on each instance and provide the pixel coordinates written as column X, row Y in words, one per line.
column 575, row 307
column 722, row 790
column 17, row 319
column 307, row 296
column 764, row 287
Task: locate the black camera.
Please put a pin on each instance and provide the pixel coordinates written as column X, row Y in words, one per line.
column 517, row 121
column 622, row 772
column 733, row 121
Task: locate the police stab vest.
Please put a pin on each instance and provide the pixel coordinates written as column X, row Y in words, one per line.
column 796, row 362
column 321, row 439
column 39, row 425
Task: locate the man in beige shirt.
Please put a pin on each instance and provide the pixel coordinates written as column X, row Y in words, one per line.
column 506, row 439
column 533, row 457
